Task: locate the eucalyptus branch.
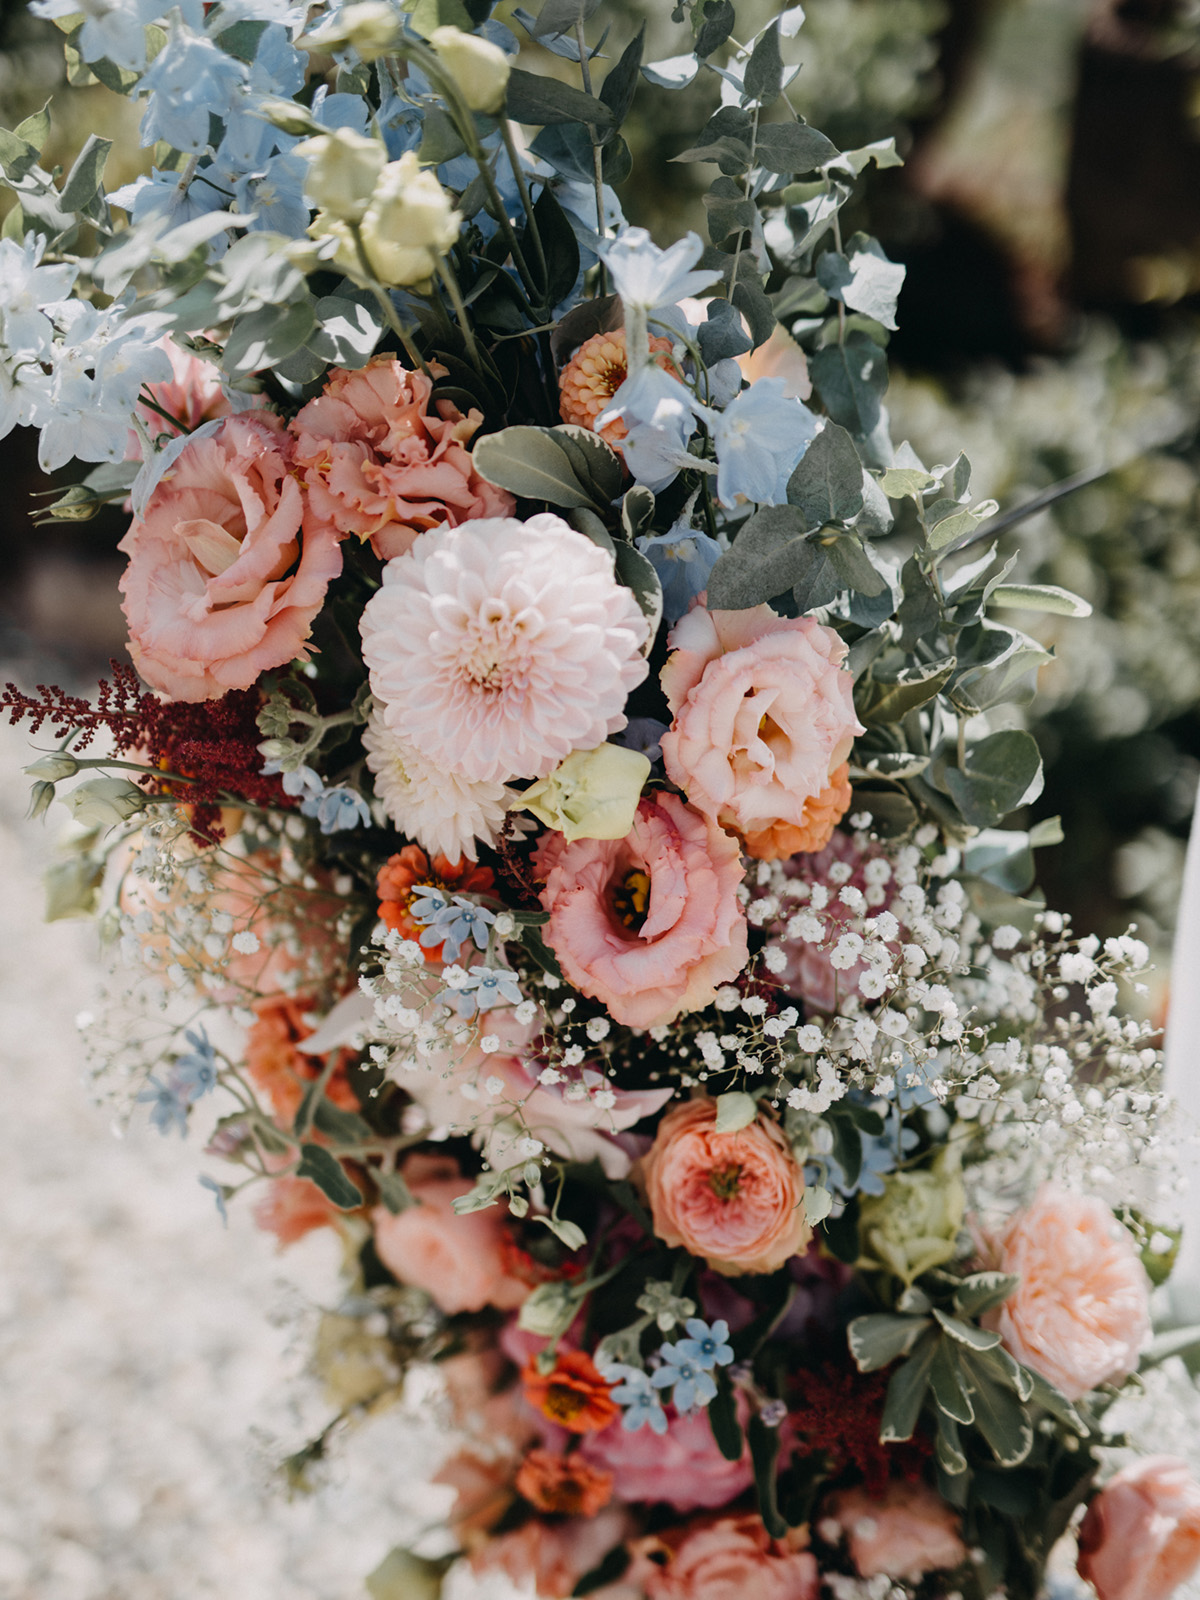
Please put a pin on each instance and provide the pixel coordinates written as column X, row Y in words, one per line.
column 514, row 161
column 585, row 73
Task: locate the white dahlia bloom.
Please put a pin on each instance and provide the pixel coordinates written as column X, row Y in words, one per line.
column 498, row 647
column 441, row 810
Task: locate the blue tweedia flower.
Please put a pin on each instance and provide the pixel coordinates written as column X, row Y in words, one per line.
column 683, row 559
column 168, row 1109
column 195, row 1071
column 878, row 1159
column 691, row 1385
column 707, row 1346
column 759, row 438
column 218, row 1194
column 428, row 903
column 302, row 783
column 644, row 275
column 338, row 809
column 635, row 1394
column 483, row 988
column 454, row 924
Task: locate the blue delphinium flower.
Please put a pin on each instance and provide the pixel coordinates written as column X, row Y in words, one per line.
column 691, row 1385
column 759, row 438
column 643, row 275
column 660, row 414
column 637, row 1398
column 168, row 1109
column 189, row 81
column 707, row 1346
column 683, row 558
column 195, row 1072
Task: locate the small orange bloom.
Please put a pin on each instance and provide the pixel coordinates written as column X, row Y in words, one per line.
column 594, row 374
column 822, row 813
column 403, row 873
column 574, row 1394
column 563, row 1485
column 292, row 1207
column 279, row 1068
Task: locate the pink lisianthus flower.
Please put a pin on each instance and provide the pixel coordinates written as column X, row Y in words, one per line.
column 733, row 1199
column 683, row 1467
column 905, row 1533
column 380, row 463
column 221, row 586
column 1081, row 1312
column 650, row 925
column 1141, row 1537
column 192, row 395
column 459, row 1261
column 498, row 647
column 764, row 717
column 724, row 1558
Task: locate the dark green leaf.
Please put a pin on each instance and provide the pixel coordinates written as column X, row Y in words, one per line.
column 999, row 1415
column 1000, row 772
column 560, row 244
column 530, row 462
column 394, row 1192
column 327, row 1172
column 840, row 1234
column 17, row 156
column 638, row 575
column 589, row 524
column 729, row 211
column 619, row 87
column 764, row 1453
column 542, row 101
column 983, row 1291
column 907, row 1390
column 722, row 335
column 723, row 1420
column 788, row 147
column 949, row 1393
column 605, row 1573
column 769, row 555
column 752, row 300
column 965, row 1333
column 947, row 1447
column 827, row 483
column 594, row 462
column 851, row 379
column 851, row 561
column 307, row 1108
column 1044, row 1394
column 267, row 336
column 351, row 327
column 561, row 16
column 880, row 1338
column 887, row 697
column 637, row 511
column 718, row 21
column 346, row 1127
column 1015, row 1494
column 764, row 70
column 1006, row 1370
column 440, row 139
column 541, row 952
column 820, row 584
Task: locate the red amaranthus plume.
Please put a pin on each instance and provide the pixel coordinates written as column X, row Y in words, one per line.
column 838, row 1412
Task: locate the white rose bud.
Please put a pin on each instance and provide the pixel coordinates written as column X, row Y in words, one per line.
column 593, row 794
column 103, row 802
column 53, row 768
column 371, row 27
column 343, row 169
column 408, row 224
column 479, row 68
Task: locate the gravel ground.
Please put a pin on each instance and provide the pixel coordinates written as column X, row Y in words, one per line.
column 150, row 1360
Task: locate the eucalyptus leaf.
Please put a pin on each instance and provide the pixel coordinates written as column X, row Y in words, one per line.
column 770, row 553
column 620, row 85
column 717, row 21
column 863, row 279
column 542, row 101
column 560, row 16
column 327, row 1172
column 1040, row 597
column 788, row 147
column 594, row 462
column 530, row 462
column 638, row 575
column 887, row 697
column 347, row 1127
column 394, row 1192
column 850, row 378
column 763, row 81
column 827, row 483
column 1000, row 773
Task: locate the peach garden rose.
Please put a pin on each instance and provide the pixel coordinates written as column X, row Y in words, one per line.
column 1141, row 1537
column 906, row 1532
column 733, row 1199
column 725, row 1558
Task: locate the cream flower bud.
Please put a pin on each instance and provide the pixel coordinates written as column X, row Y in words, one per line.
column 370, row 26
column 103, row 802
column 593, row 794
column 409, row 222
column 479, row 68
column 343, row 169
column 51, row 768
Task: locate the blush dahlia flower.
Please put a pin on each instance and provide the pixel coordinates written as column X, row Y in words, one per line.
column 497, row 648
column 444, row 812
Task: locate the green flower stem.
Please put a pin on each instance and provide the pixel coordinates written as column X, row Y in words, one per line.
column 585, row 72
column 514, row 161
column 384, row 301
column 450, row 283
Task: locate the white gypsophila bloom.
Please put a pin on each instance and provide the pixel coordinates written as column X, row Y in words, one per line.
column 443, row 812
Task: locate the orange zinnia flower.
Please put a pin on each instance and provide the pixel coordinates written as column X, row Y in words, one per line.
column 594, row 374
column 564, row 1486
column 279, row 1068
column 573, row 1394
column 822, row 813
column 403, row 873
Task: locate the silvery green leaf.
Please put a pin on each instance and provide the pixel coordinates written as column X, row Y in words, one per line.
column 394, row 1192
column 851, row 378
column 735, row 1110
column 889, row 698
column 966, row 1333
column 84, row 178
column 881, row 151
column 1040, row 597
column 151, row 472
column 879, row 1338
column 1001, row 772
column 560, row 16
column 567, row 1233
column 788, row 147
column 827, row 483
column 673, row 72
column 770, row 553
column 763, row 80
column 542, row 102
column 863, row 279
column 352, row 328
column 594, row 462
column 530, row 462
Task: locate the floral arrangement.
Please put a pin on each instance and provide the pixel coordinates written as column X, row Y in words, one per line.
column 558, row 809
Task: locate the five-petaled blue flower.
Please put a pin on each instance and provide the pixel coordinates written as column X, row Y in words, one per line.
column 336, row 809
column 483, row 988
column 691, row 1385
column 707, row 1346
column 168, row 1109
column 195, row 1071
column 450, row 922
column 683, row 559
column 218, row 1194
column 636, row 1395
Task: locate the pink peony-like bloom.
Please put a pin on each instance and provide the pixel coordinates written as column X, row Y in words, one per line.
column 192, row 395
column 379, row 463
column 1141, row 1537
column 1081, row 1312
column 906, row 1533
column 650, row 924
column 764, row 716
column 500, row 646
column 220, row 585
column 734, row 1199
column 459, row 1261
column 682, row 1467
column 724, row 1558
column 551, row 1557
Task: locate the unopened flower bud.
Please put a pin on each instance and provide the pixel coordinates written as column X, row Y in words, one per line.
column 343, row 169
column 479, row 68
column 103, row 802
column 60, row 764
column 370, row 27
column 40, row 798
column 593, row 794
column 408, row 224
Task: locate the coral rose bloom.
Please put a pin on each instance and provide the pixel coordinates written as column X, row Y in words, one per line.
column 1081, row 1312
column 764, row 719
column 379, row 463
column 220, row 585
column 650, row 925
column 733, row 1199
column 905, row 1533
column 730, row 1558
column 1141, row 1537
column 459, row 1261
column 499, row 647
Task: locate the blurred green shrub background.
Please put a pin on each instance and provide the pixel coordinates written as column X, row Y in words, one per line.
column 1048, row 213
